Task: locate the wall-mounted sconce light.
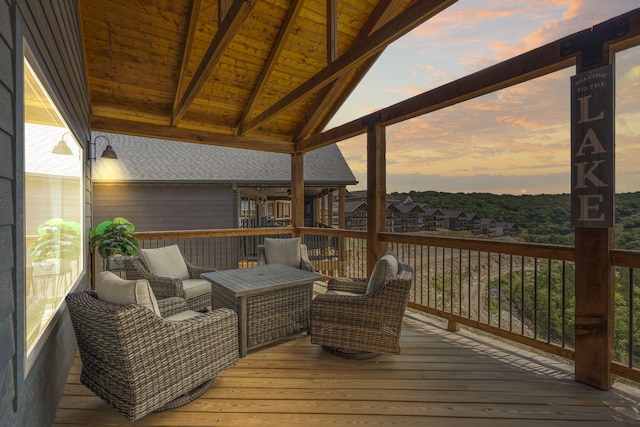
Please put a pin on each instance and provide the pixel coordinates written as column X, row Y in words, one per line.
column 108, row 152
column 62, row 147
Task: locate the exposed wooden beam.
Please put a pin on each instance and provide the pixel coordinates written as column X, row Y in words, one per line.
column 223, row 9
column 278, row 46
column 529, row 65
column 332, row 31
column 410, row 18
column 233, row 21
column 332, row 97
column 130, row 127
column 188, row 47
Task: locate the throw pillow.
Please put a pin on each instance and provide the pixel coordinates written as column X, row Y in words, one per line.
column 116, row 290
column 283, row 251
column 165, row 262
column 385, row 269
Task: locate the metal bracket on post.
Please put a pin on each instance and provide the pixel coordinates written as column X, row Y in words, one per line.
column 590, row 45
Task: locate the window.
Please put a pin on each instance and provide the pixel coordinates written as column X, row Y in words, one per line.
column 53, row 204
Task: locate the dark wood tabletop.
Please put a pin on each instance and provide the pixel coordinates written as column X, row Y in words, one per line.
column 256, row 280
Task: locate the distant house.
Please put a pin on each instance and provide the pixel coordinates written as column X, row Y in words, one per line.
column 166, row 185
column 474, row 223
column 488, row 226
column 355, row 212
column 405, row 217
column 456, row 220
column 434, row 219
column 506, row 229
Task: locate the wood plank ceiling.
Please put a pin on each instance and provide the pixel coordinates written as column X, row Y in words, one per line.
column 257, row 74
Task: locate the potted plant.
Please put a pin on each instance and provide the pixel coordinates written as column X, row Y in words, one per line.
column 113, row 240
column 58, row 244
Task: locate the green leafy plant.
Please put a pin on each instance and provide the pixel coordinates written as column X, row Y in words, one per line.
column 113, row 238
column 58, row 239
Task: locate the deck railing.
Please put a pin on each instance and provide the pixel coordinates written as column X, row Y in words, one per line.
column 522, row 292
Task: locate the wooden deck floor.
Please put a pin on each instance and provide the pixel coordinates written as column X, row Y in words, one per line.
column 440, row 379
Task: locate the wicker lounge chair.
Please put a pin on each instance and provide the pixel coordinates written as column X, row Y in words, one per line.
column 289, row 252
column 360, row 319
column 173, row 276
column 139, row 362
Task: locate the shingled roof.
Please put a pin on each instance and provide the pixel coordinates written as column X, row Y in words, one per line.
column 154, row 160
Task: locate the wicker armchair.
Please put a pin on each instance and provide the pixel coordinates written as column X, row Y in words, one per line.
column 188, row 285
column 138, row 362
column 284, row 251
column 352, row 323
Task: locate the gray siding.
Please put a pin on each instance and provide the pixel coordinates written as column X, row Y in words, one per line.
column 52, row 32
column 166, row 207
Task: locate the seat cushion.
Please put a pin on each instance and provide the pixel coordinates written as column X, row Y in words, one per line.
column 165, row 262
column 283, row 251
column 116, row 290
column 385, row 269
column 187, row 314
column 195, row 287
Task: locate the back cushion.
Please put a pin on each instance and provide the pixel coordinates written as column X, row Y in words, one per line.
column 385, row 269
column 116, row 290
column 165, row 262
column 283, row 251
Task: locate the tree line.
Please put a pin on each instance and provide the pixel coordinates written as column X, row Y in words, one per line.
column 541, row 218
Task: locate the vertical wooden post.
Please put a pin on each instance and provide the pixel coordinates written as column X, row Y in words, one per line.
column 594, row 285
column 330, row 208
column 594, row 307
column 342, row 224
column 323, row 209
column 376, row 193
column 297, row 192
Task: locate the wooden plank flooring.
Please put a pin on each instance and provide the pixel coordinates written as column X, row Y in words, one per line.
column 440, row 379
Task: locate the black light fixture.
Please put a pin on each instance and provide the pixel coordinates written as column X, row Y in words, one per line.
column 62, row 147
column 108, row 152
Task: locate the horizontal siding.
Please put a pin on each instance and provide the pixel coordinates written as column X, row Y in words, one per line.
column 7, row 248
column 166, row 207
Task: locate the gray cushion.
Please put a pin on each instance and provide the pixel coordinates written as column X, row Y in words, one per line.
column 283, row 251
column 385, row 269
column 195, row 287
column 165, row 262
column 116, row 290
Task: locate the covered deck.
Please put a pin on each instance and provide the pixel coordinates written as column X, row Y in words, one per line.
column 441, row 378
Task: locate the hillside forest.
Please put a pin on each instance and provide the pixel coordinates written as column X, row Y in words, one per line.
column 543, row 218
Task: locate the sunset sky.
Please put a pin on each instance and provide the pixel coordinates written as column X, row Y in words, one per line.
column 514, row 141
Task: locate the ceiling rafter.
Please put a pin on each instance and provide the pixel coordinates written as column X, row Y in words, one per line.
column 232, row 22
column 325, row 106
column 410, row 18
column 278, row 46
column 188, row 47
column 152, row 130
column 332, row 30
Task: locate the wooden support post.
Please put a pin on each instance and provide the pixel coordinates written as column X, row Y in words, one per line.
column 594, row 307
column 330, row 208
column 594, row 278
column 342, row 224
column 323, row 210
column 297, row 192
column 376, row 192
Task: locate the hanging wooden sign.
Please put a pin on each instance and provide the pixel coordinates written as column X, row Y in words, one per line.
column 592, row 148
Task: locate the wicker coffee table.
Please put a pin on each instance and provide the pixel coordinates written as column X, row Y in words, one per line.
column 272, row 301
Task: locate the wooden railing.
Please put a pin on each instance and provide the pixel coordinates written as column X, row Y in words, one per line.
column 522, row 292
